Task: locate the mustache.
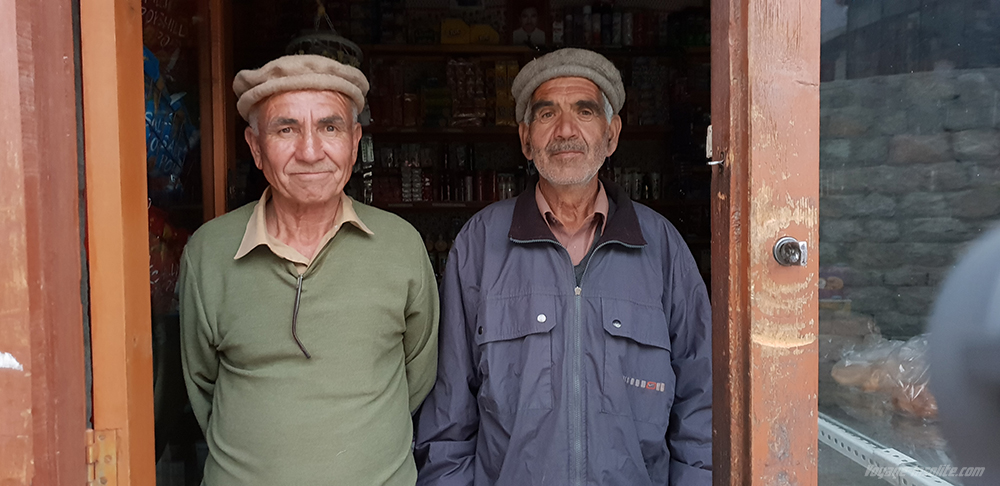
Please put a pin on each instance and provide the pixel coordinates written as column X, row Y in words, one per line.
column 314, row 169
column 566, row 145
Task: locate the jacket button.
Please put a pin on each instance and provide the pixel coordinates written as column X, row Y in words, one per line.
column 541, row 317
column 480, row 329
column 616, row 323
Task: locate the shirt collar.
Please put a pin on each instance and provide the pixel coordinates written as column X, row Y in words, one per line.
column 600, row 206
column 256, row 232
column 623, row 227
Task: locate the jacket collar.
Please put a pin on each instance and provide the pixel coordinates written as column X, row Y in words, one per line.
column 622, row 227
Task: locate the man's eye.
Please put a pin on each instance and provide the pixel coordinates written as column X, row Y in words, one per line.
column 546, row 115
column 285, row 130
column 331, row 128
column 586, row 113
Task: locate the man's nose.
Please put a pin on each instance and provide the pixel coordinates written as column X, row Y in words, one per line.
column 566, row 127
column 310, row 147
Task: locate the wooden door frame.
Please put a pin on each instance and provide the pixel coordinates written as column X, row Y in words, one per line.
column 42, row 367
column 763, row 53
column 117, row 229
column 118, row 256
column 765, row 112
column 218, row 104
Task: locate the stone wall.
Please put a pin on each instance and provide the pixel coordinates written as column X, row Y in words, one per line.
column 909, row 174
column 883, row 37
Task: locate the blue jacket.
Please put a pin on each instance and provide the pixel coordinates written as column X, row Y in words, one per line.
column 541, row 381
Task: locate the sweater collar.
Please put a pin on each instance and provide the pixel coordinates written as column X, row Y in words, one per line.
column 256, row 231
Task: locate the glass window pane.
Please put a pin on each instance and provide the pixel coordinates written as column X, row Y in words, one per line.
column 909, row 176
column 171, row 73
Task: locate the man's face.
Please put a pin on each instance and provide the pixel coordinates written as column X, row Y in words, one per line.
column 529, row 19
column 569, row 136
column 306, row 144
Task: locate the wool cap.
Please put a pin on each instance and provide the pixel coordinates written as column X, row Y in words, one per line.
column 564, row 63
column 298, row 73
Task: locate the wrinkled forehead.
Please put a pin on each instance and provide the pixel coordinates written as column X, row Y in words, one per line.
column 573, row 87
column 288, row 104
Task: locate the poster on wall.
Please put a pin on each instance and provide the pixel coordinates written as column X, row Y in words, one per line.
column 528, row 22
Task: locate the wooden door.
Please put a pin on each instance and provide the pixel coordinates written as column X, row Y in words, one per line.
column 765, row 113
column 42, row 367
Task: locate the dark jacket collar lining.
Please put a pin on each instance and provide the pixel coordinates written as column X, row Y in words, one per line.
column 622, row 227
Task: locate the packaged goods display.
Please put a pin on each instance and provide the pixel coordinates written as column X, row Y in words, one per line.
column 410, row 172
column 604, row 24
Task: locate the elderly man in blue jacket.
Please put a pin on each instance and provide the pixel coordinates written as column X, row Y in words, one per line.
column 575, row 340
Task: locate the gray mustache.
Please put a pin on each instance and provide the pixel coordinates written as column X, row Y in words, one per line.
column 561, row 146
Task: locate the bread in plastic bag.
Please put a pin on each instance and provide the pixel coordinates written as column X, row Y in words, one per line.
column 897, row 368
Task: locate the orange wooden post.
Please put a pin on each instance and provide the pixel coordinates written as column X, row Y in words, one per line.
column 114, row 114
column 765, row 112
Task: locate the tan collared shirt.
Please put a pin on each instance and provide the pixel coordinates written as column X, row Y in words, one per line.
column 576, row 243
column 256, row 233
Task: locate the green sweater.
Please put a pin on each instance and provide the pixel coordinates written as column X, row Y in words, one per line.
column 368, row 316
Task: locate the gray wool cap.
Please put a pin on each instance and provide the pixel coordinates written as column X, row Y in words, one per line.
column 565, row 63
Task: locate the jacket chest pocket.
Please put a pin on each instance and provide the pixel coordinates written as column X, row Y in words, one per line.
column 638, row 377
column 514, row 336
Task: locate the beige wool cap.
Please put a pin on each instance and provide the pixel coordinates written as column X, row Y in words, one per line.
column 297, row 73
column 563, row 63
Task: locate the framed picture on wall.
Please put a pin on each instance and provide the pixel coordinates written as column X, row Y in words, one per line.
column 528, row 22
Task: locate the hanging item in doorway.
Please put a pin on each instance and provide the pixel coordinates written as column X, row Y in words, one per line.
column 326, row 42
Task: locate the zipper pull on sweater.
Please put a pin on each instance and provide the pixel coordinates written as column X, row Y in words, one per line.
column 295, row 317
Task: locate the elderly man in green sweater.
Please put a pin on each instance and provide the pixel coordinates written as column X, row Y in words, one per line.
column 308, row 320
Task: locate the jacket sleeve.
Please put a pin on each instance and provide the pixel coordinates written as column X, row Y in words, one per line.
column 448, row 422
column 199, row 356
column 689, row 436
column 420, row 340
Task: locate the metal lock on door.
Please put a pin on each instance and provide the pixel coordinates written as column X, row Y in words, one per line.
column 790, row 252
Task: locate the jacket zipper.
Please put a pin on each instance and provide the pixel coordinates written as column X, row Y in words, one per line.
column 576, row 420
column 573, row 345
column 577, row 471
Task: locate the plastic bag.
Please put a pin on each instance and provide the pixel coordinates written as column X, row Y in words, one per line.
column 906, row 374
column 896, row 368
column 863, row 366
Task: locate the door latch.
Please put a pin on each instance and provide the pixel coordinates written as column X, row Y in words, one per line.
column 709, row 149
column 791, row 252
